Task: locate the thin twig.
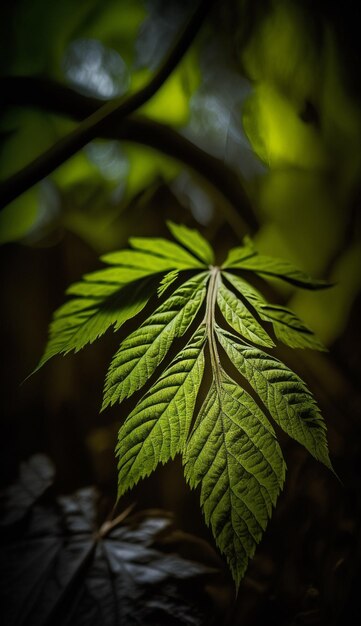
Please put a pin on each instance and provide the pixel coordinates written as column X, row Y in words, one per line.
column 92, row 126
column 54, row 97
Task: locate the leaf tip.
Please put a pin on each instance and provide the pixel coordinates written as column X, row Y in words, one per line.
column 105, row 404
column 323, row 284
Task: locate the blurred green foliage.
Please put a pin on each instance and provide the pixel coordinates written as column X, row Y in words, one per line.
column 304, row 125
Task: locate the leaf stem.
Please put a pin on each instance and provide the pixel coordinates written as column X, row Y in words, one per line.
column 210, row 321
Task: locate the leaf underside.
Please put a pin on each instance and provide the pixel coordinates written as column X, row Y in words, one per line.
column 229, row 448
column 233, row 454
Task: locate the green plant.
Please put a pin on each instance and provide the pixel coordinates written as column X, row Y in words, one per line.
column 228, row 445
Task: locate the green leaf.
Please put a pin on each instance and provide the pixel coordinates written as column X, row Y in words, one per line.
column 192, row 240
column 140, row 354
column 117, row 275
column 101, row 305
column 287, row 327
column 246, row 258
column 240, row 253
column 284, row 394
column 140, row 260
column 240, row 318
column 234, row 455
column 143, row 260
column 231, row 452
column 168, row 250
column 158, row 426
column 246, row 290
column 166, row 281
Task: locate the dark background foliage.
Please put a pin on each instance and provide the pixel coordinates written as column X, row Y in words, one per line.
column 271, row 90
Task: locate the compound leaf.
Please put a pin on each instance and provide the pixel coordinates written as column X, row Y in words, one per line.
column 234, row 455
column 192, row 240
column 284, row 394
column 231, row 452
column 158, row 426
column 140, row 354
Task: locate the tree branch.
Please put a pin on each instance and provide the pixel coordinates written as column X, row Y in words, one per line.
column 93, row 125
column 56, row 98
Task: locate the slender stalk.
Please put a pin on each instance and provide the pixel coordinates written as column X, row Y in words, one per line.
column 210, row 320
column 92, row 126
